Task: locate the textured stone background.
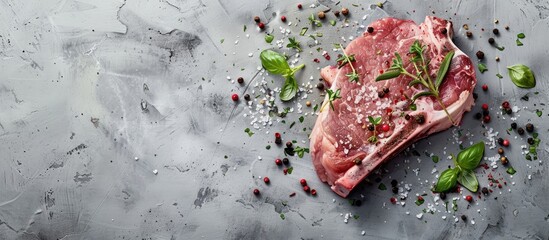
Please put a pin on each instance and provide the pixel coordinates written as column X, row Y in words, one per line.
column 87, row 86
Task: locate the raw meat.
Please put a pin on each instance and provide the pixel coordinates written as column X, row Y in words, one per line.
column 340, row 137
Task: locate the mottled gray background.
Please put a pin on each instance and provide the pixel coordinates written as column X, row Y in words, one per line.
column 87, row 86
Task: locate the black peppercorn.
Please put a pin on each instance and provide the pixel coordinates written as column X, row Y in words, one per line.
column 469, row 34
column 444, row 31
column 371, row 127
column 491, row 40
column 386, row 90
column 320, row 86
column 496, row 31
column 345, row 11
column 247, row 97
column 520, row 131
column 480, row 55
column 257, row 19
column 381, row 94
column 336, row 13
column 485, row 113
column 289, row 144
column 529, row 127
column 531, row 141
column 475, row 96
column 407, row 117
column 464, row 218
column 394, row 183
column 420, row 119
column 442, row 196
column 500, row 141
column 240, row 80
column 358, row 202
column 478, row 115
column 395, row 190
column 485, row 190
column 286, row 161
column 278, row 141
column 514, row 125
column 509, row 111
column 289, row 151
column 370, row 29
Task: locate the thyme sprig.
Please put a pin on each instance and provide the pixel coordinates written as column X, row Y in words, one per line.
column 347, row 59
column 332, row 96
column 374, row 121
column 421, row 76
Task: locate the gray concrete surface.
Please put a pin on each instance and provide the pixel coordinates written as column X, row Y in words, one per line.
column 86, row 87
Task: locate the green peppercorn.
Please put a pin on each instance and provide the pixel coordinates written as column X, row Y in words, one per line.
column 529, row 127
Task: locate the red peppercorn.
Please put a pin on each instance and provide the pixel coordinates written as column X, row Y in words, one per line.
column 506, row 105
column 235, row 97
column 313, row 192
column 285, row 171
column 306, row 189
column 299, row 6
column 277, row 135
column 469, row 198
column 485, row 87
column 420, row 198
column 393, row 200
column 316, row 60
column 261, row 25
column 487, row 118
column 385, row 127
column 278, row 161
column 506, row 143
column 256, row 191
column 303, row 182
column 266, row 180
column 485, row 106
column 283, row 18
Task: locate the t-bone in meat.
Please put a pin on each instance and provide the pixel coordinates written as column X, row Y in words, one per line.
column 341, row 152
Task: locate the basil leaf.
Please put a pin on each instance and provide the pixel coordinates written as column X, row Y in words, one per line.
column 470, row 157
column 447, row 180
column 482, row 68
column 522, row 76
column 388, row 75
column 444, row 66
column 274, row 62
column 269, row 38
column 468, row 179
column 289, row 90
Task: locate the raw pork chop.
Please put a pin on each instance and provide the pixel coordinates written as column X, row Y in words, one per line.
column 341, row 152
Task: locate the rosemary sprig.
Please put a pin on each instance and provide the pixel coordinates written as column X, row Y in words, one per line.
column 421, row 76
column 374, row 121
column 347, row 59
column 332, row 96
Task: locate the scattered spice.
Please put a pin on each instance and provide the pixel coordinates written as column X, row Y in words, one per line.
column 240, row 80
column 320, row 86
column 306, row 188
column 504, row 160
column 261, row 25
column 500, row 151
column 285, row 161
column 234, row 97
column 469, row 198
column 491, row 40
column 299, row 6
column 278, row 162
column 283, row 18
column 529, row 127
column 480, row 54
column 257, row 19
column 370, row 29
column 495, row 31
column 520, row 131
column 321, row 15
column 485, row 87
column 313, row 192
column 469, row 34
column 345, row 11
column 266, row 180
column 247, row 97
column 256, row 191
column 303, row 182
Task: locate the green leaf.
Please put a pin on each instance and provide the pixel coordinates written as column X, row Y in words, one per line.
column 499, row 76
column 301, row 118
column 282, row 216
column 422, row 94
column 482, row 68
column 293, row 44
column 539, row 112
column 303, row 31
column 435, row 159
column 468, row 179
column 414, row 82
column 290, row 170
column 332, row 22
column 269, row 38
column 249, row 132
column 522, row 76
column 511, row 170
column 447, row 180
column 371, row 120
column 389, row 74
column 377, row 120
column 444, row 66
column 382, row 187
column 521, row 35
column 470, row 157
column 289, row 90
column 353, row 77
column 501, row 48
column 519, row 43
column 274, row 62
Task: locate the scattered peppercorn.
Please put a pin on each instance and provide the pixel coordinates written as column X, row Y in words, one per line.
column 308, row 103
column 469, row 198
column 394, row 182
column 261, row 25
column 283, row 18
column 520, row 131
column 485, row 87
column 475, row 95
column 306, row 188
column 393, row 200
column 386, row 90
column 285, row 161
column 509, row 111
column 491, row 40
column 507, row 27
column 420, row 119
column 320, row 86
column 484, row 106
column 257, row 19
column 500, row 151
column 299, row 6
column 529, row 127
column 256, row 191
column 407, row 117
column 385, row 127
column 480, row 55
column 381, row 94
column 487, row 119
column 289, row 144
column 235, row 97
column 442, row 196
column 464, row 218
column 500, row 141
column 506, row 104
column 303, row 182
column 278, row 161
column 469, row 34
column 497, row 59
column 371, row 127
column 506, row 143
column 514, row 125
column 485, row 191
column 336, row 13
column 345, row 11
column 358, row 202
column 504, row 160
column 478, row 115
column 321, row 15
column 531, row 141
column 395, row 190
column 444, row 31
column 496, row 31
column 266, row 180
column 247, row 97
column 485, row 112
column 313, row 192
column 240, row 80
column 370, row 29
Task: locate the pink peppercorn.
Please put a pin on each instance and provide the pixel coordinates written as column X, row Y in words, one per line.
column 266, row 180
column 306, row 189
column 299, row 6
column 485, row 87
column 278, row 162
column 256, row 191
column 235, row 97
column 313, row 192
column 469, row 198
column 303, row 182
column 485, row 106
column 261, row 25
column 506, row 143
column 283, row 18
column 385, row 127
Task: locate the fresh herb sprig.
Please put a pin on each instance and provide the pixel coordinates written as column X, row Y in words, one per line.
column 275, row 63
column 374, row 121
column 294, row 44
column 463, row 172
column 332, row 96
column 301, row 151
column 314, row 21
column 421, row 75
column 347, row 59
